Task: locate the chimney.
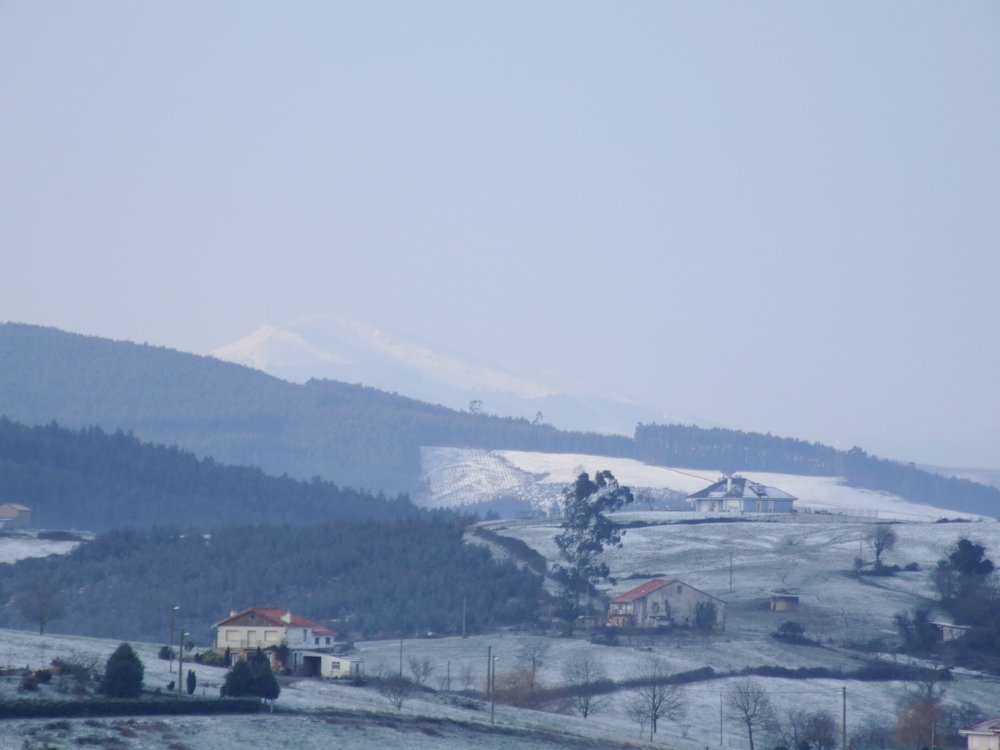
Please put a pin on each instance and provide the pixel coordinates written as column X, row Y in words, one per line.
column 287, row 617
column 729, row 483
column 233, row 613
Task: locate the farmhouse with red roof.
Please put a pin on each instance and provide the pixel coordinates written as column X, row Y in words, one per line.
column 310, row 644
column 663, row 603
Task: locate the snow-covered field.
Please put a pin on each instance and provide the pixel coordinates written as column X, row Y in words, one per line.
column 305, row 713
column 457, row 477
column 21, row 545
column 809, row 553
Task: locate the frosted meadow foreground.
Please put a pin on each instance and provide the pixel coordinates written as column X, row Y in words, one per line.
column 808, row 554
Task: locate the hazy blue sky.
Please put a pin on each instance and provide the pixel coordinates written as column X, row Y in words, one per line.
column 778, row 216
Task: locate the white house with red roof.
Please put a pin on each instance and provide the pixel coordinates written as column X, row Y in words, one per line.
column 267, row 628
column 662, row 603
column 983, row 736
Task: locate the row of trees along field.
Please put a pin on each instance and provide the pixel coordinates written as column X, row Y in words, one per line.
column 388, row 578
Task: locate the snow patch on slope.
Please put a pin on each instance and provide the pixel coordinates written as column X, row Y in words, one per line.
column 459, row 477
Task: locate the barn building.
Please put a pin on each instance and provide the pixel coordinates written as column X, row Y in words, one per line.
column 663, row 603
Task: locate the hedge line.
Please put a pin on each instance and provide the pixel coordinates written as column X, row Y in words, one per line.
column 35, row 709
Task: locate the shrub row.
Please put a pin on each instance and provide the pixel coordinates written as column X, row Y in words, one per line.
column 35, row 709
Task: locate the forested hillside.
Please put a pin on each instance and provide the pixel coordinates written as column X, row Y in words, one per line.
column 394, row 578
column 89, row 479
column 734, row 450
column 349, row 434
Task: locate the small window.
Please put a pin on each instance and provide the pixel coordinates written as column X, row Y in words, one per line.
column 678, row 588
column 328, row 640
column 335, row 665
column 316, row 640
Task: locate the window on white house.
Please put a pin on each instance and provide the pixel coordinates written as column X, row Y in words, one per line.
column 328, row 640
column 316, row 641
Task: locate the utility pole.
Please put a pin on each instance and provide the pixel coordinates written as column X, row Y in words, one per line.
column 489, row 668
column 730, row 572
column 180, row 661
column 400, row 658
column 652, row 713
column 720, row 719
column 170, row 641
column 493, row 691
column 464, row 603
column 843, row 722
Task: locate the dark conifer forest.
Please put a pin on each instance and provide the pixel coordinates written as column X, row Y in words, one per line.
column 88, row 479
column 365, row 578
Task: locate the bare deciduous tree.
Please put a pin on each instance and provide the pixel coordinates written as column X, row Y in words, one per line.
column 749, row 704
column 803, row 729
column 421, row 669
column 637, row 710
column 41, row 602
column 872, row 735
column 531, row 655
column 585, row 677
column 660, row 697
column 881, row 538
column 916, row 723
column 395, row 689
column 466, row 677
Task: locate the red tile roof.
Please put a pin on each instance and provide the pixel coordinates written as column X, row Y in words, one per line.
column 275, row 616
column 645, row 589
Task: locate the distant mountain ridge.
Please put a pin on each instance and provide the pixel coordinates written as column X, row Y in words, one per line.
column 339, row 348
column 350, row 434
column 365, row 438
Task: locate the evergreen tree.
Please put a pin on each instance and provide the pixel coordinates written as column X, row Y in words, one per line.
column 240, row 681
column 265, row 683
column 192, row 682
column 586, row 531
column 123, row 674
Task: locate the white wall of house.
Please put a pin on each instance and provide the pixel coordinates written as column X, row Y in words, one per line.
column 744, row 505
column 983, row 741
column 340, row 667
column 247, row 637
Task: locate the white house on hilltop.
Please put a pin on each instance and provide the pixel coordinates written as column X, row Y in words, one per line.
column 736, row 494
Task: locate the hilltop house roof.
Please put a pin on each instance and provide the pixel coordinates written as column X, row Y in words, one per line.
column 278, row 617
column 739, row 487
column 644, row 590
column 15, row 506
